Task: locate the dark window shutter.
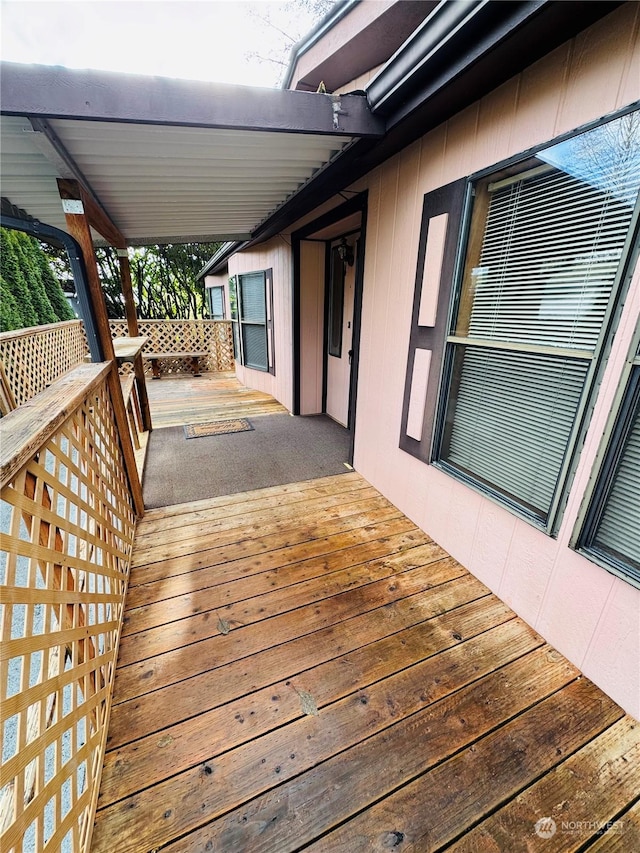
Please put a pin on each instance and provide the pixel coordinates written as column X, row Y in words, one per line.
column 439, row 240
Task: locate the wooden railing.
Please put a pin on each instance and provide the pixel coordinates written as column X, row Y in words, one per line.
column 68, row 526
column 33, row 358
column 211, row 336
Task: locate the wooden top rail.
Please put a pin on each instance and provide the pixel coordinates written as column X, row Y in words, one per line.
column 38, row 330
column 126, row 349
column 26, row 429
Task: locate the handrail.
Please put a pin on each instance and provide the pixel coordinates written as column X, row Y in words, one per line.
column 68, row 523
column 29, row 427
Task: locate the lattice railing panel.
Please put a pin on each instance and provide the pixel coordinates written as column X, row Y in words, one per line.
column 211, row 336
column 34, row 358
column 67, row 525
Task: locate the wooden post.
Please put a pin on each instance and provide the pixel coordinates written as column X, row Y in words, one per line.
column 78, row 225
column 132, row 326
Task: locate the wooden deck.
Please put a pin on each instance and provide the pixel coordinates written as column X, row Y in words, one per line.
column 302, row 668
column 186, row 399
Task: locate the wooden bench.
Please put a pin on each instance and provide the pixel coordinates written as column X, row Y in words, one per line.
column 194, row 357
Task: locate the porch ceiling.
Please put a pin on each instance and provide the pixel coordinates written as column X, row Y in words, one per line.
column 164, row 169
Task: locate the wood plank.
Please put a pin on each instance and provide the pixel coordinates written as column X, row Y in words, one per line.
column 236, row 588
column 218, row 565
column 136, row 766
column 145, row 821
column 181, row 663
column 258, row 512
column 295, row 814
column 210, row 688
column 438, row 807
column 582, row 795
column 241, row 614
column 626, row 834
column 262, row 593
column 231, row 530
column 166, row 518
column 179, row 400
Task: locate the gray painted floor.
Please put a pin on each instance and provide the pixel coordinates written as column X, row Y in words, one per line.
column 279, row 449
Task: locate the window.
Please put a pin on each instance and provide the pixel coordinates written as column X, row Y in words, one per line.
column 546, row 244
column 216, row 303
column 250, row 305
column 611, row 533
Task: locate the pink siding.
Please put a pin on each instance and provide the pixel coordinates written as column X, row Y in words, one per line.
column 311, row 326
column 276, row 255
column 588, row 614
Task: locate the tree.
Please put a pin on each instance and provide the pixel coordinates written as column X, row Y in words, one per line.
column 290, row 21
column 31, row 294
column 163, row 279
column 25, row 248
column 14, row 281
column 9, row 311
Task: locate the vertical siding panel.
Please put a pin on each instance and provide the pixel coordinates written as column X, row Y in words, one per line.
column 589, row 92
column 366, row 404
column 311, row 326
column 431, row 171
column 460, row 158
column 383, row 341
column 615, row 645
column 630, row 83
column 495, row 120
column 539, row 99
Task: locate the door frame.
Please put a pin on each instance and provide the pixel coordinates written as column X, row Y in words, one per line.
column 356, row 204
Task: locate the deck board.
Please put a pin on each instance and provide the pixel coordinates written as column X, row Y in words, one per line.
column 185, row 399
column 343, row 684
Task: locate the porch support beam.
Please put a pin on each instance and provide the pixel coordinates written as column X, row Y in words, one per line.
column 96, row 215
column 132, row 327
column 78, row 225
column 54, row 92
column 97, row 218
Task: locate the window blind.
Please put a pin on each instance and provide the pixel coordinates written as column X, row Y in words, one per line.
column 549, row 258
column 545, row 249
column 217, row 303
column 255, row 325
column 253, row 304
column 511, row 418
column 619, row 528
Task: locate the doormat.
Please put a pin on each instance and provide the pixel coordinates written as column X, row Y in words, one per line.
column 216, row 428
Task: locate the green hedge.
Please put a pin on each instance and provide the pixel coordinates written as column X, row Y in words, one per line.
column 30, row 294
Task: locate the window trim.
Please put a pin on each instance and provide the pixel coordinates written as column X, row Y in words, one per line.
column 224, row 301
column 598, row 357
column 238, row 322
column 616, row 431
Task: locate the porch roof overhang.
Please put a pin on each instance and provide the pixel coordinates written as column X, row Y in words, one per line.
column 167, row 160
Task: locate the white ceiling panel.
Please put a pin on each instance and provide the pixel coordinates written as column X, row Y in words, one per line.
column 163, row 182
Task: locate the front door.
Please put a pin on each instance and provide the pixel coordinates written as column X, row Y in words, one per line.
column 339, row 326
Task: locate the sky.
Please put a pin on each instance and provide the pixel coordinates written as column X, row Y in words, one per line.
column 216, row 40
